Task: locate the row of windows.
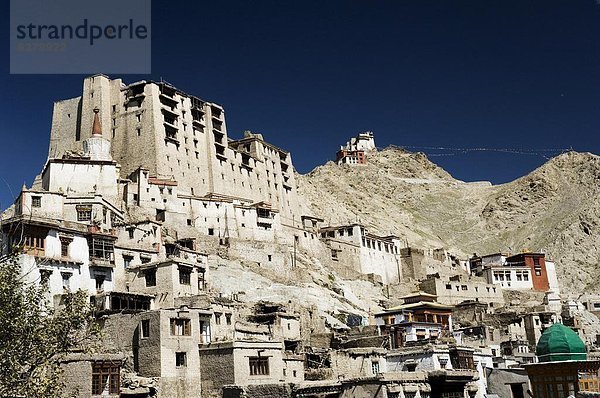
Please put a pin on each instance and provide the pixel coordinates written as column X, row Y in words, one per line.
column 98, row 248
column 185, row 277
column 127, row 260
column 466, row 288
column 182, row 326
column 98, row 277
column 65, row 276
column 258, row 366
column 506, row 275
column 373, row 244
column 366, row 242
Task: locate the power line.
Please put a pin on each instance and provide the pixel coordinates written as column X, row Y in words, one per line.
column 453, row 151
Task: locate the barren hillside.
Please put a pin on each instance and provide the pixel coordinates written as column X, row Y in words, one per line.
column 556, row 208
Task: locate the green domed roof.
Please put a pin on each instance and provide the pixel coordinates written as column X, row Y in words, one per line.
column 560, row 343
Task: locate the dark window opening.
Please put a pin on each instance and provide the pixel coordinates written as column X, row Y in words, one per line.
column 259, row 366
column 180, row 359
column 150, row 276
column 180, row 327
column 64, row 246
column 201, row 280
column 145, row 329
column 84, row 213
column 185, row 276
column 127, row 261
column 102, row 249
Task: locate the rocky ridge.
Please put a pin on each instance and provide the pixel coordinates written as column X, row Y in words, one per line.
column 555, row 208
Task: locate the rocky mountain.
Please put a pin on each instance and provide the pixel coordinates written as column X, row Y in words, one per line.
column 555, row 208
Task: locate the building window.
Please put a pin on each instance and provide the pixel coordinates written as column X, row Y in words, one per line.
column 145, row 328
column 334, row 255
column 64, row 246
column 218, row 318
column 105, row 378
column 84, row 213
column 66, row 280
column 150, row 276
column 45, row 277
column 144, row 259
column 201, row 280
column 180, row 327
column 101, row 248
column 99, row 282
column 180, row 359
column 34, row 242
column 211, row 231
column 259, row 366
column 127, row 261
column 538, row 270
column 375, row 367
column 228, row 319
column 205, row 332
column 36, row 201
column 185, row 276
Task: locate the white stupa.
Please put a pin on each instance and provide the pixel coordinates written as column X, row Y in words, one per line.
column 97, row 147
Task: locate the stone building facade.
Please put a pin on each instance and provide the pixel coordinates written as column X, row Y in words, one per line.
column 176, row 137
column 460, row 288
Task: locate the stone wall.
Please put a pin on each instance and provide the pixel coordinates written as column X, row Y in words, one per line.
column 216, row 370
column 499, row 381
column 457, row 290
column 77, row 379
column 262, row 391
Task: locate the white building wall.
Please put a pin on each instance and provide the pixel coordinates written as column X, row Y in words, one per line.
column 51, row 204
column 482, row 359
column 425, row 361
column 508, row 277
column 80, row 178
column 552, row 278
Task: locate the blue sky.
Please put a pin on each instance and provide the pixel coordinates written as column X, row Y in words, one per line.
column 308, row 75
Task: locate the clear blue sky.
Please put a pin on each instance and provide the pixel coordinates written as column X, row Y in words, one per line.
column 495, row 74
